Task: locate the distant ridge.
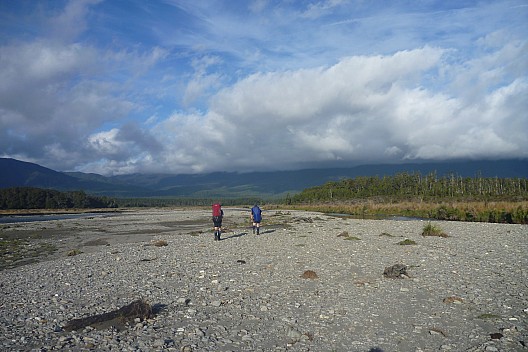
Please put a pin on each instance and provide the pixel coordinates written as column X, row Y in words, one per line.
column 16, row 173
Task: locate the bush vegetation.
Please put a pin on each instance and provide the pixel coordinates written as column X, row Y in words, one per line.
column 500, row 200
column 497, row 212
column 37, row 198
column 405, row 186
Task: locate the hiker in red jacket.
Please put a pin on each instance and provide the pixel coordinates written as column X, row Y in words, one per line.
column 218, row 215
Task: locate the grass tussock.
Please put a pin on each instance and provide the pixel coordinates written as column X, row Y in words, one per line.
column 352, row 238
column 453, row 299
column 160, row 243
column 407, row 242
column 386, row 234
column 348, row 237
column 309, row 274
column 433, row 230
column 74, row 252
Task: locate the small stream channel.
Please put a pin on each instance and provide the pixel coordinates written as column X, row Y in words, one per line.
column 11, row 219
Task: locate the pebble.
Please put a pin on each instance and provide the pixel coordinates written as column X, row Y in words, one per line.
column 247, row 293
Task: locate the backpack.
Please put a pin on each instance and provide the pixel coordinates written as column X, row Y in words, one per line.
column 217, row 209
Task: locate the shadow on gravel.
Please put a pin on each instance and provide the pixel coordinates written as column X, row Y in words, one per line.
column 375, row 349
column 158, row 308
column 234, row 236
column 267, row 231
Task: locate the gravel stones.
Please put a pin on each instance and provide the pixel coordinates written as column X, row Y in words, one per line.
column 247, row 293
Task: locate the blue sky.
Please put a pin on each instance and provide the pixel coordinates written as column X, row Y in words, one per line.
column 124, row 86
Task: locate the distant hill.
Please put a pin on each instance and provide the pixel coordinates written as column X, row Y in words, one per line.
column 17, row 173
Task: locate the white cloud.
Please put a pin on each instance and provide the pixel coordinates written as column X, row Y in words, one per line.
column 201, row 82
column 362, row 109
column 263, row 86
column 105, row 143
column 257, row 6
column 320, row 8
column 71, row 22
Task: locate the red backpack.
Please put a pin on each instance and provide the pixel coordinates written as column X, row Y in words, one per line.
column 217, row 209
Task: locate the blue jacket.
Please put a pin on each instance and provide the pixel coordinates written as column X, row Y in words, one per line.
column 256, row 213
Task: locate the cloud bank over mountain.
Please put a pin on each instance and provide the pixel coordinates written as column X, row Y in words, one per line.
column 265, row 85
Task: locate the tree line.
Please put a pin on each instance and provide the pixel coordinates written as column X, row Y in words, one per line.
column 414, row 186
column 37, row 198
column 193, row 202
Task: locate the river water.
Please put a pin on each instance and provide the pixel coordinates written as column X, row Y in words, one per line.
column 10, row 219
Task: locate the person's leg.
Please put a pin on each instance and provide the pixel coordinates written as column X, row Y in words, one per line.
column 216, row 228
column 217, row 222
column 254, row 227
column 258, row 228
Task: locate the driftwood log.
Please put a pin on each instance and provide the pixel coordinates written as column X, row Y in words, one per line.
column 137, row 309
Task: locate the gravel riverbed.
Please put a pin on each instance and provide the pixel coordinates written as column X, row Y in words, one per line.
column 465, row 292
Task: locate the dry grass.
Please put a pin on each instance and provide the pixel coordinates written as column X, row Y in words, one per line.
column 453, row 299
column 160, row 243
column 492, row 211
column 309, row 274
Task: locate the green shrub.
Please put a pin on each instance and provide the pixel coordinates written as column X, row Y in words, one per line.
column 433, row 230
column 74, row 252
column 406, row 242
column 352, row 238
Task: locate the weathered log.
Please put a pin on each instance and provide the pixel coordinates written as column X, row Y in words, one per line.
column 137, row 309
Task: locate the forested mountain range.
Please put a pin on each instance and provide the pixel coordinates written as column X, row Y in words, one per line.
column 16, row 173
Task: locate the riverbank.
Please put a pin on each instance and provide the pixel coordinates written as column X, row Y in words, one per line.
column 504, row 212
column 309, row 282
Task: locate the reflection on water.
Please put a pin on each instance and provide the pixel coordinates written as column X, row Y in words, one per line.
column 10, row 219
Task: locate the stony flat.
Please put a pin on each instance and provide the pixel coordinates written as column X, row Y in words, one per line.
column 308, row 282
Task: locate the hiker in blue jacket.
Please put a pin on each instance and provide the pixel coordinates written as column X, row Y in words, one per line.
column 256, row 218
